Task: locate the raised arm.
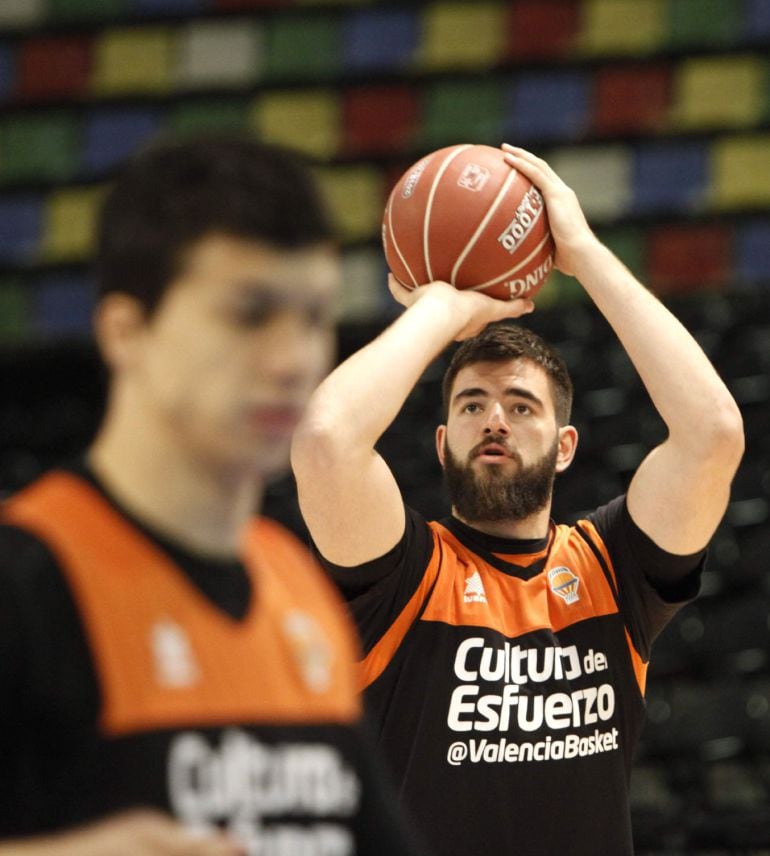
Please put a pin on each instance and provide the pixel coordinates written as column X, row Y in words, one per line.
column 348, row 495
column 680, row 491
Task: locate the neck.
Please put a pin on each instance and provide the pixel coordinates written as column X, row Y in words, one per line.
column 534, row 526
column 201, row 507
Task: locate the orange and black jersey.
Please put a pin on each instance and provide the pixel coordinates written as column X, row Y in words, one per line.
column 134, row 674
column 506, row 678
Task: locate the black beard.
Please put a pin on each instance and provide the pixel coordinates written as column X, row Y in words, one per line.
column 493, row 495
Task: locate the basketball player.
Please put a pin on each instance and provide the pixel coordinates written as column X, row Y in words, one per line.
column 505, row 655
column 176, row 675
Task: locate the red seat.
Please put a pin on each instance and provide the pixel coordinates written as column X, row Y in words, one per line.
column 631, row 99
column 543, row 28
column 51, row 67
column 380, row 119
column 689, row 258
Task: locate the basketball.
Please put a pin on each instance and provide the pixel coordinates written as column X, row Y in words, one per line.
column 463, row 215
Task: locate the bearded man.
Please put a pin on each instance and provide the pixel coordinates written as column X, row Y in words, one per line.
column 505, row 654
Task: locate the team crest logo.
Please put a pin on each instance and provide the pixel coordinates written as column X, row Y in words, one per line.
column 564, row 583
column 311, row 649
column 175, row 663
column 473, row 177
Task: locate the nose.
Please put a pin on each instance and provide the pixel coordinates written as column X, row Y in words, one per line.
column 291, row 351
column 496, row 421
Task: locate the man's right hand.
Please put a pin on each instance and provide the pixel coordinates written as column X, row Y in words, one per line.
column 476, row 309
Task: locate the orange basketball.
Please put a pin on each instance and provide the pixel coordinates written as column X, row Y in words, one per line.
column 465, row 216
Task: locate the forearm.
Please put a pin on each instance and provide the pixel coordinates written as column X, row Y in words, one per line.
column 359, row 400
column 683, row 385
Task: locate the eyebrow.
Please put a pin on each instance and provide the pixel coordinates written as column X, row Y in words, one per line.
column 511, row 392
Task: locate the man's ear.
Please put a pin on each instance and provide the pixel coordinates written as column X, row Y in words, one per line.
column 441, row 443
column 568, row 441
column 119, row 321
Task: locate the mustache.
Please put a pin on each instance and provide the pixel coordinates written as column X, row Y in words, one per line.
column 494, row 440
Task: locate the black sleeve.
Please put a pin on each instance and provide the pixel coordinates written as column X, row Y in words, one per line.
column 652, row 584
column 43, row 657
column 377, row 591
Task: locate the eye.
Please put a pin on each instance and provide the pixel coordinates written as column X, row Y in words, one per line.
column 254, row 312
column 319, row 313
column 522, row 409
column 472, row 407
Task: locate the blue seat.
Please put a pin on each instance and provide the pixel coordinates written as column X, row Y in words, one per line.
column 670, row 177
column 63, row 305
column 21, row 225
column 168, row 7
column 753, row 252
column 380, row 39
column 7, row 71
column 756, row 20
column 549, row 106
column 111, row 135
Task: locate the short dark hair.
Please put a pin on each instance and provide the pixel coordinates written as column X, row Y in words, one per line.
column 176, row 192
column 501, row 342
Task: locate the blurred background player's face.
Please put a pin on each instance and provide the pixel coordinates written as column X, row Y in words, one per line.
column 501, row 446
column 240, row 340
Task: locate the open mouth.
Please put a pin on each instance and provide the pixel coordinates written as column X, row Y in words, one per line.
column 493, row 451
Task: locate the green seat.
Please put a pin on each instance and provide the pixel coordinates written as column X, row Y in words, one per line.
column 304, row 49
column 463, row 112
column 85, row 10
column 39, row 147
column 213, row 114
column 630, row 246
column 14, row 309
column 704, row 23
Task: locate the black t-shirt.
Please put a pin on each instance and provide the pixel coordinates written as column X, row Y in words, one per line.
column 506, row 677
column 60, row 767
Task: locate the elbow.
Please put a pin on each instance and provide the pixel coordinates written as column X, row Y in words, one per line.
column 725, row 440
column 315, row 444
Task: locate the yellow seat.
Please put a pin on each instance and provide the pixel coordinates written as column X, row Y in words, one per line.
column 69, row 230
column 602, row 177
column 219, row 53
column 356, row 198
column 364, row 286
column 462, row 34
column 714, row 92
column 131, row 61
column 622, row 26
column 741, row 172
column 21, row 13
column 307, row 120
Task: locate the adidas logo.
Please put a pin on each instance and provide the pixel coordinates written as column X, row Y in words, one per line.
column 474, row 589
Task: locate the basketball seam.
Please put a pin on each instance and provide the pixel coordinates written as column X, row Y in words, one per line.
column 395, row 244
column 429, row 206
column 513, row 270
column 487, row 217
